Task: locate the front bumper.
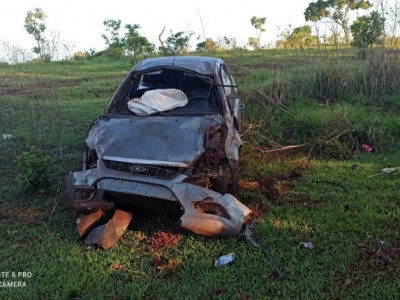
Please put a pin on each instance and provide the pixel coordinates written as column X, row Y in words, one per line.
column 205, row 212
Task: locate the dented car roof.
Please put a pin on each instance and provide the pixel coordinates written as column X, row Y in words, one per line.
column 199, row 64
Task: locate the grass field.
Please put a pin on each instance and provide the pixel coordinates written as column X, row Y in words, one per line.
column 327, row 190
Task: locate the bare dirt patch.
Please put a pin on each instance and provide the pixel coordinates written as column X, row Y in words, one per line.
column 377, row 260
column 35, row 87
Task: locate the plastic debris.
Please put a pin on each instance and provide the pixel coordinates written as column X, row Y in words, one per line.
column 307, row 245
column 381, row 242
column 388, row 170
column 224, row 260
column 366, row 147
column 7, row 136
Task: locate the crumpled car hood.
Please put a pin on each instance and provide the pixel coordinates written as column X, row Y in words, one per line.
column 172, row 139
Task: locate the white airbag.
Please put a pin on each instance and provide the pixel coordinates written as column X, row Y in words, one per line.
column 154, row 101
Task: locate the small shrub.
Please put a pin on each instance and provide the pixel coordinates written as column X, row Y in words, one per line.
column 35, row 170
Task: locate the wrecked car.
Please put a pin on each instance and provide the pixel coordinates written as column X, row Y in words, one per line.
column 169, row 140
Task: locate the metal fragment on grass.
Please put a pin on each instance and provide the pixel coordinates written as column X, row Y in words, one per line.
column 307, row 245
column 8, row 136
column 224, row 260
column 388, row 170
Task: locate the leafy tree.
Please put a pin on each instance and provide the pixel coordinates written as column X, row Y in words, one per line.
column 335, row 10
column 176, row 43
column 253, row 42
column 35, row 26
column 300, row 37
column 258, row 24
column 208, row 45
column 112, row 37
column 314, row 13
column 367, row 30
column 135, row 43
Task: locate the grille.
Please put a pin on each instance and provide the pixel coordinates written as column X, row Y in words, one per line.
column 141, row 170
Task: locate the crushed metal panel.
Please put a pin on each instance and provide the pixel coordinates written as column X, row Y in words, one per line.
column 173, row 139
column 106, row 236
column 209, row 213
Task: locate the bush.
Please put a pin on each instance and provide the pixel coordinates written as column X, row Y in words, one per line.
column 35, row 170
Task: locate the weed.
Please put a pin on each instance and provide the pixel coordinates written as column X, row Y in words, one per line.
column 331, row 81
column 35, row 170
column 381, row 73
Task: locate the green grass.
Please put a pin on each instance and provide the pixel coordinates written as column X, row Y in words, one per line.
column 339, row 200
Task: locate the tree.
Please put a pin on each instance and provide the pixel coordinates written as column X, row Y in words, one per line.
column 176, row 43
column 35, row 26
column 112, row 37
column 253, row 42
column 335, row 10
column 208, row 45
column 258, row 24
column 300, row 37
column 135, row 43
column 314, row 13
column 367, row 30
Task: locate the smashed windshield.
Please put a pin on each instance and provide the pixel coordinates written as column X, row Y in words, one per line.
column 200, row 93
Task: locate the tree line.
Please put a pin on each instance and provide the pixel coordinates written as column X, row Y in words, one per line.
column 379, row 27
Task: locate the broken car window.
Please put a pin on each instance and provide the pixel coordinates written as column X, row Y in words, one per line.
column 200, row 91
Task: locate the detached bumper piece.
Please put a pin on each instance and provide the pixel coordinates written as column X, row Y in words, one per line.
column 107, row 235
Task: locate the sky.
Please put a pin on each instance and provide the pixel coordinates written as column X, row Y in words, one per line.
column 79, row 23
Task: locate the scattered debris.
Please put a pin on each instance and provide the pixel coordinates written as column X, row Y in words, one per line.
column 163, row 239
column 116, row 266
column 380, row 242
column 165, row 264
column 107, row 235
column 249, row 185
column 251, row 240
column 307, row 245
column 8, row 136
column 224, row 260
column 367, row 148
column 277, row 223
column 140, row 236
column 388, row 170
column 346, row 282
